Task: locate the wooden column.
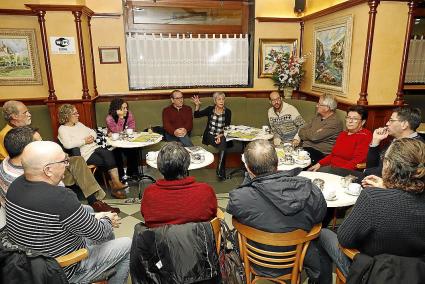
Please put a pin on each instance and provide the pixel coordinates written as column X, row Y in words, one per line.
column 399, row 95
column 77, row 16
column 301, row 37
column 373, row 4
column 92, row 59
column 41, row 20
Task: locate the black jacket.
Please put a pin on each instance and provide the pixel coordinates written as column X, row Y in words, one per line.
column 19, row 265
column 174, row 254
column 386, row 268
column 375, row 156
column 278, row 203
column 208, row 111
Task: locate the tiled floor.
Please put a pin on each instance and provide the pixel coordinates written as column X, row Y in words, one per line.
column 130, row 211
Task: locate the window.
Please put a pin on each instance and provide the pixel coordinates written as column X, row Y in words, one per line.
column 189, row 44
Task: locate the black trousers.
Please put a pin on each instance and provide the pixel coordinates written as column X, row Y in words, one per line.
column 211, row 141
column 315, row 155
column 102, row 158
column 131, row 155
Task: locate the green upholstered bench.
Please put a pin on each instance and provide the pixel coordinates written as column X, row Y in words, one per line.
column 40, row 118
column 246, row 111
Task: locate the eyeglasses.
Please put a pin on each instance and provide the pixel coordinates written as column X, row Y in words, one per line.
column 392, row 120
column 178, row 98
column 321, row 105
column 64, row 161
column 355, row 119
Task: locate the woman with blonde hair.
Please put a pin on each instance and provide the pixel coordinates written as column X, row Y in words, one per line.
column 73, row 133
column 388, row 216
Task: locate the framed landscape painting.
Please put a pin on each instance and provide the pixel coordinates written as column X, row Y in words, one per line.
column 265, row 66
column 19, row 63
column 331, row 56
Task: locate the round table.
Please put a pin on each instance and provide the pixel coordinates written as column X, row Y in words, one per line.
column 333, row 181
column 139, row 140
column 244, row 134
column 209, row 158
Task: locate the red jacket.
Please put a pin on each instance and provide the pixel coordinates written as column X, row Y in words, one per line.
column 178, row 202
column 173, row 118
column 349, row 150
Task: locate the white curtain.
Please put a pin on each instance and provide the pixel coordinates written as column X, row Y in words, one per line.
column 415, row 70
column 155, row 61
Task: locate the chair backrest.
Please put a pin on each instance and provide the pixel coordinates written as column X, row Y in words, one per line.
column 292, row 258
column 73, row 257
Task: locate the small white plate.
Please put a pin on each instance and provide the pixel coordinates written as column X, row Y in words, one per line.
column 351, row 193
column 302, row 162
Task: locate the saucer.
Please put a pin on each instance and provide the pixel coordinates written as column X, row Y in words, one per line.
column 302, row 162
column 351, row 193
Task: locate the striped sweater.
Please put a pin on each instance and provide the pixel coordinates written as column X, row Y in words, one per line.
column 50, row 219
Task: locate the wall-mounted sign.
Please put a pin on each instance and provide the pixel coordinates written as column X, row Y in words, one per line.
column 62, row 45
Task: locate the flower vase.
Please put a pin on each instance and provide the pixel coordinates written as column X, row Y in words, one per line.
column 287, row 92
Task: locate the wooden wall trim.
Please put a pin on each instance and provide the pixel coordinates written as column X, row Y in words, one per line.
column 334, row 9
column 92, row 58
column 42, row 21
column 399, row 100
column 17, row 12
column 278, row 20
column 373, row 5
column 27, row 101
column 60, row 8
column 83, row 70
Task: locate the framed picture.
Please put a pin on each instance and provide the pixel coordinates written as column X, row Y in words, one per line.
column 265, row 66
column 19, row 63
column 109, row 55
column 331, row 56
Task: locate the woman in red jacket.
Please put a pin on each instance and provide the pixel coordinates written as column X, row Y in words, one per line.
column 178, row 198
column 351, row 145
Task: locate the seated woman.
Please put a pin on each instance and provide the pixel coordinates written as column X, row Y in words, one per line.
column 218, row 117
column 178, row 198
column 119, row 119
column 388, row 216
column 351, row 145
column 73, row 133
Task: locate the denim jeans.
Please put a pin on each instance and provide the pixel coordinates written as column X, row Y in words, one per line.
column 185, row 140
column 329, row 252
column 103, row 256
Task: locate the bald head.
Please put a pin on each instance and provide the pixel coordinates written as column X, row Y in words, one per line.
column 37, row 155
column 260, row 157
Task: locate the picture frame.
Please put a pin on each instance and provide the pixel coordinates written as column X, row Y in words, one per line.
column 331, row 56
column 19, row 61
column 110, row 55
column 265, row 66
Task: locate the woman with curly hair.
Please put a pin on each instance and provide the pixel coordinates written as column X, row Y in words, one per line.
column 73, row 133
column 389, row 214
column 119, row 119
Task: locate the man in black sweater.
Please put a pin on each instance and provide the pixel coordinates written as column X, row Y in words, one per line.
column 402, row 124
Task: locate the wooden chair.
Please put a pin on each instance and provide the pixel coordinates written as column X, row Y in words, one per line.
column 216, row 226
column 93, row 169
column 292, row 259
column 340, row 278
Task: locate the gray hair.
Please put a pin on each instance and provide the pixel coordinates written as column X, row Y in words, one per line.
column 261, row 157
column 329, row 100
column 173, row 161
column 10, row 108
column 218, row 94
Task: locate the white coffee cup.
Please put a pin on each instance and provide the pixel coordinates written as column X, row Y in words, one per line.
column 303, row 155
column 265, row 128
column 329, row 194
column 354, row 188
column 115, row 136
column 151, row 156
column 129, row 131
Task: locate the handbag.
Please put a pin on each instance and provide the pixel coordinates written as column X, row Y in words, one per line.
column 231, row 267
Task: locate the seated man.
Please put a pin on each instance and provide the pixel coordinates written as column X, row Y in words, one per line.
column 402, row 124
column 17, row 114
column 284, row 119
column 318, row 136
column 277, row 202
column 48, row 218
column 178, row 198
column 177, row 120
